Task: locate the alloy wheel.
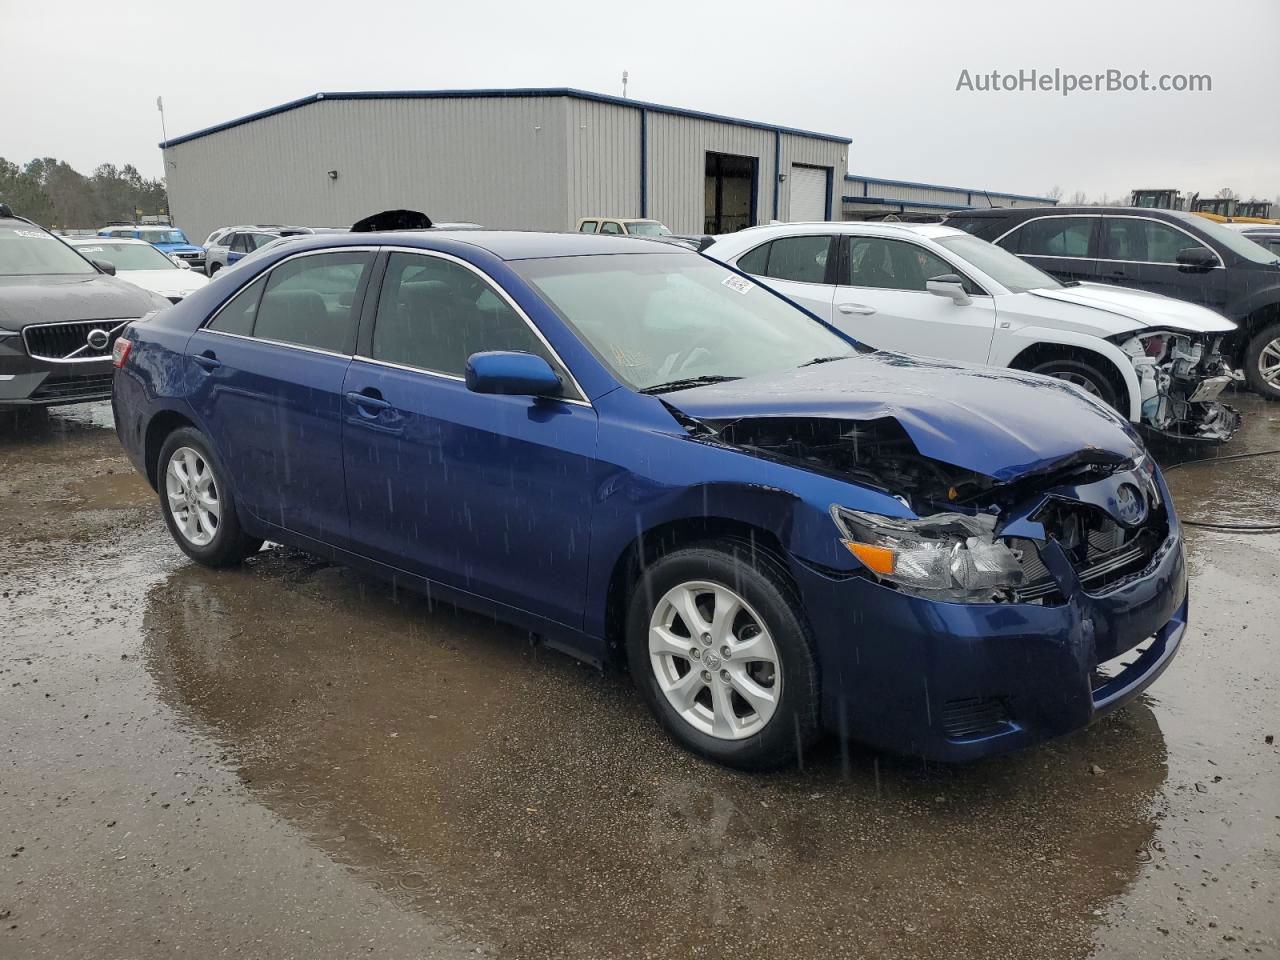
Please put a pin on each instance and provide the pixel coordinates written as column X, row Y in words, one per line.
column 192, row 492
column 714, row 660
column 1269, row 363
column 1080, row 380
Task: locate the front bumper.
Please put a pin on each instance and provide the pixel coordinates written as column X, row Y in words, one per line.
column 26, row 381
column 955, row 682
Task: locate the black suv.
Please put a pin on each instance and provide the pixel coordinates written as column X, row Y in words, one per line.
column 59, row 314
column 1178, row 254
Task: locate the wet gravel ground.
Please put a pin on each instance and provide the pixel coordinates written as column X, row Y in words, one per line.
column 293, row 760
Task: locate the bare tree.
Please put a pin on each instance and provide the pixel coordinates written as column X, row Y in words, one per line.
column 1079, row 199
column 1055, row 193
column 1226, row 193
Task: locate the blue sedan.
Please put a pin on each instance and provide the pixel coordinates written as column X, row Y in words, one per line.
column 646, row 458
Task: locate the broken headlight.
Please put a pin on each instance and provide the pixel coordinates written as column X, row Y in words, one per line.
column 945, row 556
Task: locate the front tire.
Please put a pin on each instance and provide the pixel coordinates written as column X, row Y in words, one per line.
column 1262, row 362
column 197, row 503
column 1084, row 375
column 718, row 645
column 213, row 268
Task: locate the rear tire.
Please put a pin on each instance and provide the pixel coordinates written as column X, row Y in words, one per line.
column 740, row 686
column 213, row 268
column 1262, row 362
column 198, row 506
column 1082, row 374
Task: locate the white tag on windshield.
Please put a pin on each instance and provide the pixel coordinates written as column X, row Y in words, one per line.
column 741, row 284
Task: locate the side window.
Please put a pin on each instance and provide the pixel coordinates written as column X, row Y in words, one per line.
column 610, row 227
column 589, row 226
column 800, row 259
column 755, row 262
column 256, row 240
column 1128, row 238
column 1053, row 237
column 310, row 300
column 894, row 265
column 238, row 315
column 433, row 314
column 237, row 243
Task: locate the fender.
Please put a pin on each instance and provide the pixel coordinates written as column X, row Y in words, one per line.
column 1251, row 302
column 1005, row 349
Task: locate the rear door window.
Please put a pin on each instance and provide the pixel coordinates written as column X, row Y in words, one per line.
column 310, row 301
column 799, row 259
column 588, row 226
column 1052, row 237
column 610, row 227
column 433, row 314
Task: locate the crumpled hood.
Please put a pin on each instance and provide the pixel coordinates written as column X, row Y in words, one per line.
column 1151, row 309
column 89, row 296
column 1002, row 423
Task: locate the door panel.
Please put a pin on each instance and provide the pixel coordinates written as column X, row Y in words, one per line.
column 885, row 305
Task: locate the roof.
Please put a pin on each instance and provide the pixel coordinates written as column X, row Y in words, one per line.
column 939, row 186
column 503, row 244
column 520, row 92
column 752, row 235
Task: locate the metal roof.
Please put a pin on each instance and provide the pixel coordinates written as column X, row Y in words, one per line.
column 939, row 186
column 494, row 94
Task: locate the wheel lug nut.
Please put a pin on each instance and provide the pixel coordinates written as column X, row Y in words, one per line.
column 724, row 651
column 706, row 676
column 724, row 675
column 706, row 638
column 693, row 653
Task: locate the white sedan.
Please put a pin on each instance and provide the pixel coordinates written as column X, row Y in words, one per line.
column 935, row 291
column 142, row 264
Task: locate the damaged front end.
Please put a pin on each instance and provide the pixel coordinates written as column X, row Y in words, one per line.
column 1180, row 377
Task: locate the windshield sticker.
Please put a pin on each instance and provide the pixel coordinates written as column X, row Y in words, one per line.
column 91, row 249
column 741, row 284
column 34, row 234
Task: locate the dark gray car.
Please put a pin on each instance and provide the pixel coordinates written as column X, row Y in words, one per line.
column 59, row 314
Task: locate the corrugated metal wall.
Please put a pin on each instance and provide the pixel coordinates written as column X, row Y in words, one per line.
column 920, row 197
column 499, row 161
column 526, row 162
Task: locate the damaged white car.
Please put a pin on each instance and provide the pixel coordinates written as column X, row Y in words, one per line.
column 935, row 291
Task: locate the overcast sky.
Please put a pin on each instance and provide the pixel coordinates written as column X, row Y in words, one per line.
column 78, row 81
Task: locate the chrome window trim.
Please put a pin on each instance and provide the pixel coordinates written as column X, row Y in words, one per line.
column 1114, row 216
column 506, row 297
column 449, row 376
column 279, row 343
column 71, row 357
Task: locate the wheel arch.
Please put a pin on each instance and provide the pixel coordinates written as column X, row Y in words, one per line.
column 662, row 539
column 158, row 430
column 1053, row 344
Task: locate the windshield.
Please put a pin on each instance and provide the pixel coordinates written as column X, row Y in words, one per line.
column 162, row 236
column 1236, row 242
column 29, row 251
column 648, row 228
column 1011, row 272
column 654, row 319
column 127, row 256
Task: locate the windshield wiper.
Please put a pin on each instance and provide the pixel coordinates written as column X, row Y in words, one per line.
column 817, row 360
column 687, row 382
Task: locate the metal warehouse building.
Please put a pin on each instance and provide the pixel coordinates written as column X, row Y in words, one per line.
column 867, row 197
column 526, row 159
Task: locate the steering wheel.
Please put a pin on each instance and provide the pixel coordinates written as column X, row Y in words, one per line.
column 684, row 356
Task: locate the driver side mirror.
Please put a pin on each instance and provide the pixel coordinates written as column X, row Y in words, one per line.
column 511, row 373
column 182, row 264
column 1201, row 257
column 948, row 285
column 106, row 266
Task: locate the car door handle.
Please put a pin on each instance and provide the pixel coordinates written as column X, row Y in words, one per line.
column 861, row 308
column 369, row 401
column 207, row 360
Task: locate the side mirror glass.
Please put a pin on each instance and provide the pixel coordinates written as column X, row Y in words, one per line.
column 1197, row 257
column 948, row 285
column 512, row 373
column 106, row 266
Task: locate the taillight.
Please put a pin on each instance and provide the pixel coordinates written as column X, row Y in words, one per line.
column 120, row 352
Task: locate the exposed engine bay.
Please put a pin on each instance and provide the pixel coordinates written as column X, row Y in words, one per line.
column 1181, row 376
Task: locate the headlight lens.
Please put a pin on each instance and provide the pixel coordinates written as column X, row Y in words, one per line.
column 946, row 556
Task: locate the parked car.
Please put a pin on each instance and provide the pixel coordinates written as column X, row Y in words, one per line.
column 220, row 238
column 1263, row 234
column 639, row 454
column 1164, row 251
column 59, row 314
column 936, row 291
column 623, row 226
column 231, row 245
column 142, row 264
column 168, row 239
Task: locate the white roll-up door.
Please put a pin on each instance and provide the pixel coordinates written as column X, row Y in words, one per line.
column 808, row 194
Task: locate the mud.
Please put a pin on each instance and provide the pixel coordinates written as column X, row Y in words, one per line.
column 291, row 759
